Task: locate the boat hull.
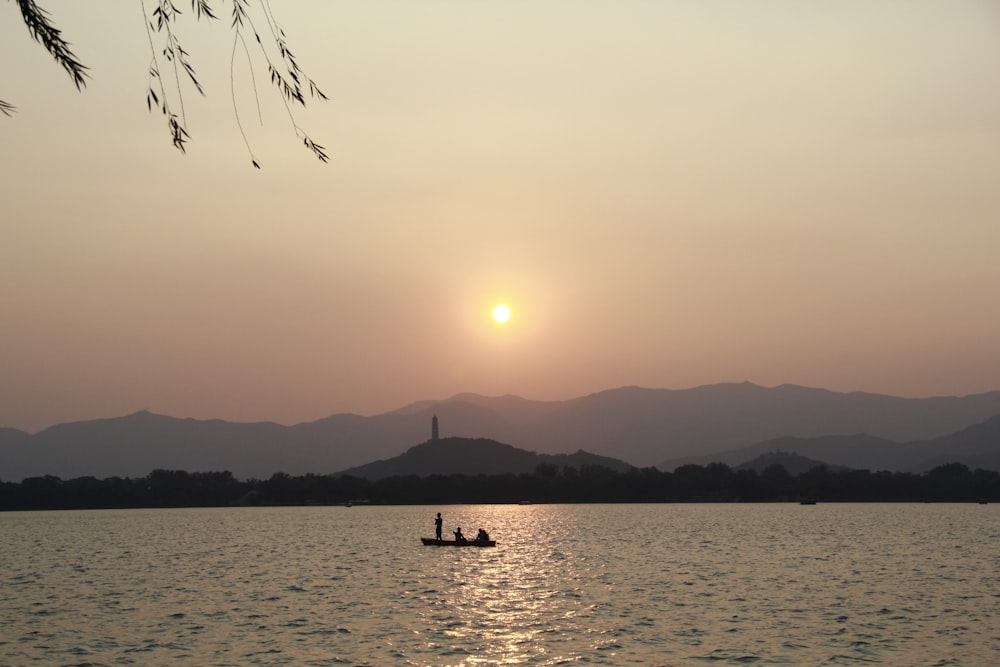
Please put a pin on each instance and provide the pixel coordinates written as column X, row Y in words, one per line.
column 431, row 542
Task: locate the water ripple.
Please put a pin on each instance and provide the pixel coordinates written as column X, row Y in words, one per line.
column 718, row 584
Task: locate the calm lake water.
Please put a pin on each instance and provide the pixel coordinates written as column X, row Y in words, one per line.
column 567, row 584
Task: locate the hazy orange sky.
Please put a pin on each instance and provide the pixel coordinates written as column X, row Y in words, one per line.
column 666, row 194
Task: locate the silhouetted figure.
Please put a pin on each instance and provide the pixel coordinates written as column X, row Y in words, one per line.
column 437, row 526
column 459, row 537
column 483, row 536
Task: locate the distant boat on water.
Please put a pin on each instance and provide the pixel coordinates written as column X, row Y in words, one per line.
column 431, row 542
column 807, row 501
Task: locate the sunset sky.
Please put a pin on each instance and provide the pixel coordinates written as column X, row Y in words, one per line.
column 664, row 193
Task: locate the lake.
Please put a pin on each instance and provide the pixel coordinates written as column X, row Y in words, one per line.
column 671, row 584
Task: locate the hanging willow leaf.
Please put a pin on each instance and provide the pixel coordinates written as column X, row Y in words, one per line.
column 202, row 8
column 46, row 34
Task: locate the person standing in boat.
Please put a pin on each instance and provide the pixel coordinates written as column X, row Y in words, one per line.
column 438, row 522
column 459, row 537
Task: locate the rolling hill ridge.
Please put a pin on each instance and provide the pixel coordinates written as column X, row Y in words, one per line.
column 474, row 456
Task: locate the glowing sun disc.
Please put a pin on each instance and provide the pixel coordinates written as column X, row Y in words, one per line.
column 501, row 313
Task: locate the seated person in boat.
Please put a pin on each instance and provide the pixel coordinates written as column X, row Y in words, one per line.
column 459, row 537
column 483, row 536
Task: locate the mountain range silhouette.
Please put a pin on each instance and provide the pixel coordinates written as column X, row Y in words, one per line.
column 733, row 423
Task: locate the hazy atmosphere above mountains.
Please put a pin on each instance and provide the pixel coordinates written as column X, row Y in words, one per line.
column 664, row 194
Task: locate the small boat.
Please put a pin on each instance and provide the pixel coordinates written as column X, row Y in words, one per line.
column 431, row 542
column 807, row 501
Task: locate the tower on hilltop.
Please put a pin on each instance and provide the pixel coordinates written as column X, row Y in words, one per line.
column 434, row 427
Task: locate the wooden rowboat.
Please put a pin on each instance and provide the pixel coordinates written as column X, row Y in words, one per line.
column 431, row 542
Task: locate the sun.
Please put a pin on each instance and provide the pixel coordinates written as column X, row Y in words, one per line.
column 501, row 313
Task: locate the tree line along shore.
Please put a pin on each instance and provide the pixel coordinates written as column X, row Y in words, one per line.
column 715, row 482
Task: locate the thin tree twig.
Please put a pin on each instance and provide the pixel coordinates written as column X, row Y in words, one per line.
column 237, row 38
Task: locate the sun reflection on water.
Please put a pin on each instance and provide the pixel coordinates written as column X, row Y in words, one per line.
column 512, row 605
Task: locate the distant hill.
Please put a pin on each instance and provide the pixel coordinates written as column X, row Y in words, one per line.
column 793, row 463
column 474, row 456
column 642, row 427
column 646, row 427
column 977, row 446
column 136, row 444
column 854, row 451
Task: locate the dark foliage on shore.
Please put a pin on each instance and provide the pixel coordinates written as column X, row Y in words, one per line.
column 716, row 482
